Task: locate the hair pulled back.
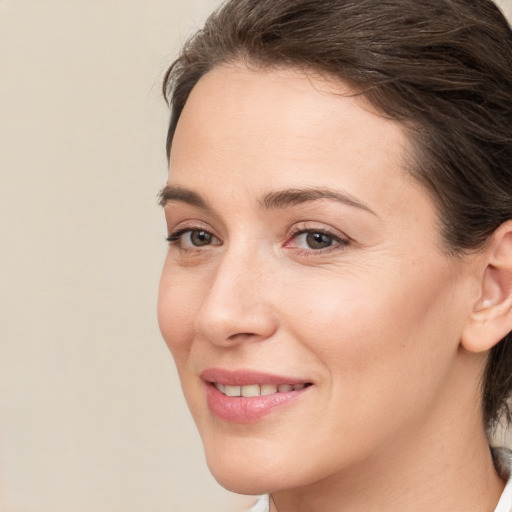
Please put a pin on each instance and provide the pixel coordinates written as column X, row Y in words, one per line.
column 441, row 67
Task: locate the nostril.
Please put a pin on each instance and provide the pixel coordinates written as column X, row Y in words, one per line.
column 228, row 318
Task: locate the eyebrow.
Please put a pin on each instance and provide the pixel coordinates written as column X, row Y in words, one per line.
column 294, row 196
column 171, row 194
column 273, row 200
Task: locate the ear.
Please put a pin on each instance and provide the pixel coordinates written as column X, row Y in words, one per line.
column 491, row 318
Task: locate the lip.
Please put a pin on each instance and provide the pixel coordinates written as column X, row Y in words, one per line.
column 240, row 409
column 247, row 377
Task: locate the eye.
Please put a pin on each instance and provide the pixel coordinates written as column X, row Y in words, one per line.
column 188, row 238
column 199, row 238
column 315, row 240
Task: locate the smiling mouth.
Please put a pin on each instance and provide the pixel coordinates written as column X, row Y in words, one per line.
column 253, row 390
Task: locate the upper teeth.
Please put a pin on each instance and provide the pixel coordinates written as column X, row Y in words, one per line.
column 256, row 389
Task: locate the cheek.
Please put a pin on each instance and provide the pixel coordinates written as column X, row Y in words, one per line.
column 176, row 313
column 379, row 327
column 384, row 351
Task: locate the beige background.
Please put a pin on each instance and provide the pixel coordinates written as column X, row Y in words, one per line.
column 92, row 417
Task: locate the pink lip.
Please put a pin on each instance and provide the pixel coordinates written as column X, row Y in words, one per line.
column 247, row 409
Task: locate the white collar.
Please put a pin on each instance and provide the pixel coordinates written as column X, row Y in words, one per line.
column 503, row 462
column 505, row 503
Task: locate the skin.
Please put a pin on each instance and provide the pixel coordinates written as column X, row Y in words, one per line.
column 374, row 320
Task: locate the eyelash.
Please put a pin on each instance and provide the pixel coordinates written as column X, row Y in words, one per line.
column 338, row 242
column 176, row 235
column 175, row 238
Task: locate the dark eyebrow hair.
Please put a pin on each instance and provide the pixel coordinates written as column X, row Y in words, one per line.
column 179, row 194
column 271, row 200
column 296, row 196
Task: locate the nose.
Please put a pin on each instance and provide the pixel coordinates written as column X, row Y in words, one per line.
column 236, row 309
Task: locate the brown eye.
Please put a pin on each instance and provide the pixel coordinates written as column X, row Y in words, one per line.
column 200, row 238
column 192, row 238
column 318, row 240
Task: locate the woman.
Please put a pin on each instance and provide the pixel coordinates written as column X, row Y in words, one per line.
column 337, row 293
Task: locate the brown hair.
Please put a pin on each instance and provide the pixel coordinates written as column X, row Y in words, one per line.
column 442, row 67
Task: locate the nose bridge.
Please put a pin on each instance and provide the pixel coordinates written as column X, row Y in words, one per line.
column 236, row 307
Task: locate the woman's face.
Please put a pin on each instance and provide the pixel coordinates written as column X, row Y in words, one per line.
column 304, row 272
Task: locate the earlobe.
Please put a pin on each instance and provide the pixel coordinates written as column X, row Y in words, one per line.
column 491, row 318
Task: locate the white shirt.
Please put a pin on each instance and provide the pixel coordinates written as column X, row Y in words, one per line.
column 263, row 505
column 503, row 461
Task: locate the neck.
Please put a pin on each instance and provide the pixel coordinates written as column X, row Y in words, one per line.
column 418, row 479
column 445, row 466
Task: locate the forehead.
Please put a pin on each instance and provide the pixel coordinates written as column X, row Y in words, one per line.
column 284, row 101
column 260, row 129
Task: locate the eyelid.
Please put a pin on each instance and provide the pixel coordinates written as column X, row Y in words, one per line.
column 310, row 227
column 174, row 237
column 190, row 225
column 340, row 238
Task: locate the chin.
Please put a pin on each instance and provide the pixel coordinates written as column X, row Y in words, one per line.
column 245, row 472
column 241, row 483
column 260, row 468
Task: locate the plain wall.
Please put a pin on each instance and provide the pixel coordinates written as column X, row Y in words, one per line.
column 92, row 417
